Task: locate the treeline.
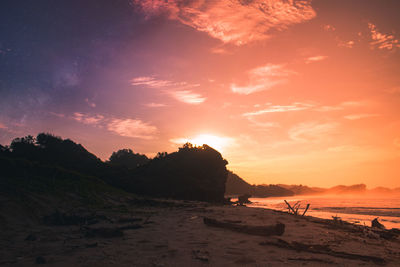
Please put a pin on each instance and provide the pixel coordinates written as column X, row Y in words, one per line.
column 237, row 186
column 192, row 173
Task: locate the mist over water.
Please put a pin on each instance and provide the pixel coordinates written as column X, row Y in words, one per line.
column 352, row 208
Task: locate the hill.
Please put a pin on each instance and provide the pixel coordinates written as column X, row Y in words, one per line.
column 237, row 186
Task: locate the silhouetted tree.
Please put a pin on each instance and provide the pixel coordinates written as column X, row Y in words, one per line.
column 4, row 150
column 128, row 159
column 24, row 147
column 161, row 155
column 194, row 173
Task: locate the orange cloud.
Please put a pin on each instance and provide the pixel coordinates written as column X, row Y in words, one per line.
column 341, row 106
column 347, row 44
column 315, row 59
column 2, row 126
column 263, row 78
column 132, row 128
column 280, row 108
column 188, row 97
column 381, row 40
column 329, row 28
column 311, row 131
column 360, row 116
column 233, row 21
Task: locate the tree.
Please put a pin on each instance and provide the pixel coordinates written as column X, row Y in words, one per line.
column 127, row 158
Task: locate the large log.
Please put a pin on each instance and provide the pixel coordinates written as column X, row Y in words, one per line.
column 277, row 229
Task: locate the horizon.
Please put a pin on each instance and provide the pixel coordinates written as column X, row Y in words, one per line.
column 289, row 92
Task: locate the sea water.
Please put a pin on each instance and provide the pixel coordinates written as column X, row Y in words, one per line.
column 354, row 209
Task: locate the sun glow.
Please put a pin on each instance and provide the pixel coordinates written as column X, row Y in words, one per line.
column 217, row 142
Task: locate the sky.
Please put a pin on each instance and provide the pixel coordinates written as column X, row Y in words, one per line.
column 289, row 91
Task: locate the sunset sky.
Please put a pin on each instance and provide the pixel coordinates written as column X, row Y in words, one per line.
column 293, row 92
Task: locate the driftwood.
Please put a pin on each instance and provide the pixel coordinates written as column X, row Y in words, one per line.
column 322, row 249
column 243, row 199
column 304, row 213
column 375, row 223
column 295, row 209
column 277, row 229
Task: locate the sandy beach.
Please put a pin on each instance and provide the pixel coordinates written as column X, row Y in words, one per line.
column 172, row 233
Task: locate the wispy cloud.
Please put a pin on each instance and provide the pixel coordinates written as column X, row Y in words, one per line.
column 341, row 106
column 181, row 91
column 280, row 108
column 381, row 40
column 132, row 128
column 315, row 59
column 151, row 82
column 155, row 105
column 311, row 131
column 87, row 119
column 329, row 28
column 344, row 148
column 233, row 21
column 3, row 126
column 188, row 97
column 263, row 78
column 347, row 44
column 260, row 124
column 360, row 116
column 90, row 103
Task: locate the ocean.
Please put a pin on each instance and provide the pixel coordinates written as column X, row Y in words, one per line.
column 355, row 209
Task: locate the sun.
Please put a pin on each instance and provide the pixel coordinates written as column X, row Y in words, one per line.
column 217, row 142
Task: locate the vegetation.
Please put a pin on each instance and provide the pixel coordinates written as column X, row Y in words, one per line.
column 47, row 162
column 236, row 186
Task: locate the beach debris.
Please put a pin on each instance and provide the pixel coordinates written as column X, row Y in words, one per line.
column 243, row 199
column 295, row 208
column 228, row 201
column 201, row 255
column 375, row 223
column 306, row 209
column 337, row 220
column 269, row 230
column 322, row 249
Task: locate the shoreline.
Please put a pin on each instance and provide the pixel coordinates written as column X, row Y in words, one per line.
column 359, row 215
column 172, row 233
